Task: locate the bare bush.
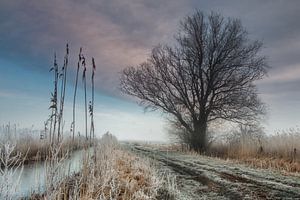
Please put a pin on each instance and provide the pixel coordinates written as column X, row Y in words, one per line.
column 11, row 167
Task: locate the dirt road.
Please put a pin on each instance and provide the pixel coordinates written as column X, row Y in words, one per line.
column 200, row 177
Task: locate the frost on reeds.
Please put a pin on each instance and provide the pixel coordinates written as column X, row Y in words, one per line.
column 11, row 167
column 111, row 173
column 278, row 151
column 54, row 167
column 38, row 150
column 29, row 141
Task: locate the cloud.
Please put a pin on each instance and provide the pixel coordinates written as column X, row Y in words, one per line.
column 119, row 33
column 288, row 74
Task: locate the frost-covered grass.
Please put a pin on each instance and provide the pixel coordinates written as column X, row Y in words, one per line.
column 11, row 167
column 29, row 144
column 205, row 177
column 109, row 172
column 279, row 151
column 38, row 150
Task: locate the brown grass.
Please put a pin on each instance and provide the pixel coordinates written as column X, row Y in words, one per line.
column 280, row 151
column 111, row 173
column 37, row 150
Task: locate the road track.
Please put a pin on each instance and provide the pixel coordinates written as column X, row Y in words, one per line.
column 201, row 177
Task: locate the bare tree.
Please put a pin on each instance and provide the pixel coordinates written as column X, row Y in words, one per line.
column 207, row 75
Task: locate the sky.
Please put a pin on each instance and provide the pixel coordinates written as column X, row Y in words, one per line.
column 121, row 33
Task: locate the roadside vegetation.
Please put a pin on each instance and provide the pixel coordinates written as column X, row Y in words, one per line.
column 32, row 144
column 206, row 177
column 108, row 173
column 277, row 151
column 251, row 146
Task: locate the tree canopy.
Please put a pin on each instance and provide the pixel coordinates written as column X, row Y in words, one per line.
column 208, row 74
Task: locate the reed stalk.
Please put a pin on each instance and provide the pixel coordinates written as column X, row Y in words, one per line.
column 75, row 92
column 53, row 100
column 85, row 99
column 91, row 107
column 63, row 76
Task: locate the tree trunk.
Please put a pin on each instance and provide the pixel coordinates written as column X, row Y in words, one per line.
column 199, row 136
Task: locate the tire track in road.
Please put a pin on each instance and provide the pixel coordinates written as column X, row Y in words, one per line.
column 226, row 182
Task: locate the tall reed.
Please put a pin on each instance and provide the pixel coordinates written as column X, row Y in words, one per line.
column 75, row 92
column 63, row 76
column 56, row 118
column 91, row 107
column 85, row 100
column 53, row 101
